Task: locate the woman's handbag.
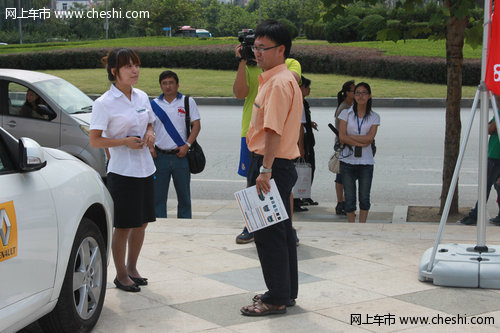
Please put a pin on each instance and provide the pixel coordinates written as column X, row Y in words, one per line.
column 334, row 163
column 195, row 155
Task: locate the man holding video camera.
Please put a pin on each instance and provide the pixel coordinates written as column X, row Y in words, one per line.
column 245, row 86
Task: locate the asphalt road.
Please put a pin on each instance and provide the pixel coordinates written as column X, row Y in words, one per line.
column 409, row 158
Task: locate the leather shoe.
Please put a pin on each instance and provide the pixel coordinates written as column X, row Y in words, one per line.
column 133, row 288
column 300, row 209
column 139, row 280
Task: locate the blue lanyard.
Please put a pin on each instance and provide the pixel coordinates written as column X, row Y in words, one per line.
column 360, row 125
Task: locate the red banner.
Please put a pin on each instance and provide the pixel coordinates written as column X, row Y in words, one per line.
column 492, row 79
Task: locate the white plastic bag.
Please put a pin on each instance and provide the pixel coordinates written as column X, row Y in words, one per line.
column 302, row 188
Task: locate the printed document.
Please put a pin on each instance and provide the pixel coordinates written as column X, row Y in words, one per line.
column 261, row 211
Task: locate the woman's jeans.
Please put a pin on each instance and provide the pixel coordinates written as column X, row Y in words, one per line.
column 363, row 174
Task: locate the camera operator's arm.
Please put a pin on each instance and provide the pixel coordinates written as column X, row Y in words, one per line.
column 240, row 87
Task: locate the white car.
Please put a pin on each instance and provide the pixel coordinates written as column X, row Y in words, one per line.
column 55, row 237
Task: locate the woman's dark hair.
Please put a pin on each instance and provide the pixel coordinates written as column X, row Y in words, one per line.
column 341, row 95
column 37, row 101
column 368, row 104
column 306, row 83
column 276, row 32
column 117, row 58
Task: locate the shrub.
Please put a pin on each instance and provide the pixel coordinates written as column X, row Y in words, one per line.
column 315, row 30
column 370, row 25
column 323, row 59
column 294, row 32
column 342, row 29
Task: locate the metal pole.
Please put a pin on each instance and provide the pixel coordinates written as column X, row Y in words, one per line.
column 454, row 181
column 19, row 22
column 483, row 138
column 106, row 24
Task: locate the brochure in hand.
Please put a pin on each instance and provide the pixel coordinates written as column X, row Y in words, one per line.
column 261, row 210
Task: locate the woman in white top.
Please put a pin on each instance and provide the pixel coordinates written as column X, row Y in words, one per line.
column 345, row 99
column 358, row 127
column 122, row 122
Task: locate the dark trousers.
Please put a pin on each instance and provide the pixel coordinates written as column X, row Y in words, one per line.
column 276, row 244
column 493, row 173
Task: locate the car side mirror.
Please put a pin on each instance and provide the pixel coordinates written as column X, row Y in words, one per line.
column 44, row 110
column 31, row 156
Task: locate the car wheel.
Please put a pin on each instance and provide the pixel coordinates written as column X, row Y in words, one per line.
column 82, row 294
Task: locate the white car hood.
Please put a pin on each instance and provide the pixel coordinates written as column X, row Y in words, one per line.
column 59, row 154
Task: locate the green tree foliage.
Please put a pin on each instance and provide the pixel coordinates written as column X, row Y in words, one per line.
column 294, row 32
column 370, row 25
column 226, row 19
column 166, row 13
column 342, row 29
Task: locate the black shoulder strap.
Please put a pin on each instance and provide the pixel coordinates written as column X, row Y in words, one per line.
column 188, row 117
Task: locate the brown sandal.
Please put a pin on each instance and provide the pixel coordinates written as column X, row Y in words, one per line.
column 258, row 297
column 262, row 309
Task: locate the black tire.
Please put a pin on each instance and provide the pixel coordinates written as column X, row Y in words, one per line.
column 84, row 287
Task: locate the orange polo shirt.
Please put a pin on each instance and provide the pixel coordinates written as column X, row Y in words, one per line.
column 277, row 107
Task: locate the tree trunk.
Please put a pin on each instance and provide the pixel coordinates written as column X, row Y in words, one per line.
column 455, row 28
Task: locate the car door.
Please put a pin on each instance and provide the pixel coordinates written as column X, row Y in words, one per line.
column 28, row 239
column 30, row 124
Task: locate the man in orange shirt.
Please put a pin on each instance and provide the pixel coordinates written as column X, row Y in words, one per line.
column 272, row 140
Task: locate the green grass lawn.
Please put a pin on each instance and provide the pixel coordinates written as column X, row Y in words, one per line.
column 213, row 83
column 118, row 42
column 412, row 47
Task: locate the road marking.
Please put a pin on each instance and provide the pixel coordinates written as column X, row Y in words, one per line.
column 220, row 180
column 462, row 185
column 463, row 170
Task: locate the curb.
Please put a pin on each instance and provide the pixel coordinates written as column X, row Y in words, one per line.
column 399, row 214
column 332, row 102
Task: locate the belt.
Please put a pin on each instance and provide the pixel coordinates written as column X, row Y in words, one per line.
column 255, row 155
column 168, row 152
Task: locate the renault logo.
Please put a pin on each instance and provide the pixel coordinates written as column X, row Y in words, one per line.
column 8, row 231
column 5, row 229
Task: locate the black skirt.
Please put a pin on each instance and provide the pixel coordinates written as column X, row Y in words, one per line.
column 133, row 198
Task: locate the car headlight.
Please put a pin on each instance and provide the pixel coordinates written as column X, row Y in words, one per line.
column 85, row 129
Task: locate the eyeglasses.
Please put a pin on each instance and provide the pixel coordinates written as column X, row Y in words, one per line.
column 361, row 93
column 262, row 49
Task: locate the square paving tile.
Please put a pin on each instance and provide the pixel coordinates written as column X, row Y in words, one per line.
column 463, row 301
column 304, row 252
column 225, row 311
column 251, row 279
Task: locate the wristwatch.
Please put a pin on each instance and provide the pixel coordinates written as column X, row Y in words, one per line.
column 265, row 170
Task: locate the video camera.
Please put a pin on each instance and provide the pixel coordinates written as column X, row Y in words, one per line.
column 247, row 38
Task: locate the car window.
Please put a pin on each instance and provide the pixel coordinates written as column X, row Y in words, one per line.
column 23, row 102
column 6, row 164
column 66, row 95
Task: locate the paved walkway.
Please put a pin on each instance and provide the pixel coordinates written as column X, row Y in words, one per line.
column 199, row 278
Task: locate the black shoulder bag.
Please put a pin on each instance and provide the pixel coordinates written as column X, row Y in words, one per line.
column 195, row 155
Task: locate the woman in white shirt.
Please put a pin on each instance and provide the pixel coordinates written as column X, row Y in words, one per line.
column 358, row 127
column 122, row 122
